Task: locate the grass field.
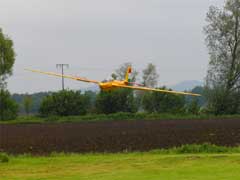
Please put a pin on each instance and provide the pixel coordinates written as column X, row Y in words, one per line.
column 111, row 117
column 134, row 166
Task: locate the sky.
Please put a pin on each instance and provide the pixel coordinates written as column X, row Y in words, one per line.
column 95, row 37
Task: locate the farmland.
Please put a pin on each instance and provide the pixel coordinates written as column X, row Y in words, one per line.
column 131, row 166
column 116, row 136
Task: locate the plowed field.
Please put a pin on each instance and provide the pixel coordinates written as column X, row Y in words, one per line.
column 116, row 136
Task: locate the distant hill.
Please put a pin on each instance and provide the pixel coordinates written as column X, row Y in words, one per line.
column 186, row 85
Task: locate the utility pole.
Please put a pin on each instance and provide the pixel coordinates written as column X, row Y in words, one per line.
column 62, row 66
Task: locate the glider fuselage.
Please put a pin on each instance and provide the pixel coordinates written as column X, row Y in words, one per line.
column 110, row 85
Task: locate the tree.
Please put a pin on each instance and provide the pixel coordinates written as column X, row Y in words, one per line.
column 150, row 79
column 163, row 102
column 27, row 103
column 201, row 101
column 223, row 41
column 193, row 107
column 91, row 95
column 150, row 76
column 36, row 101
column 65, row 103
column 121, row 72
column 119, row 100
column 7, row 58
column 8, row 107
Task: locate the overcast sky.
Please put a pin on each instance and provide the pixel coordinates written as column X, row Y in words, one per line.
column 96, row 36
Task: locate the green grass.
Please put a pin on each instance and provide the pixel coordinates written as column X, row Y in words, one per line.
column 116, row 116
column 133, row 166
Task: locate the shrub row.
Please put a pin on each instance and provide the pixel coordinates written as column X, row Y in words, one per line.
column 4, row 158
column 115, row 116
column 196, row 148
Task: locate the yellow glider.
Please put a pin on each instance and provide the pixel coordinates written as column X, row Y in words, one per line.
column 110, row 85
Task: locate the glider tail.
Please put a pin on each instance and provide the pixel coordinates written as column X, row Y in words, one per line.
column 129, row 70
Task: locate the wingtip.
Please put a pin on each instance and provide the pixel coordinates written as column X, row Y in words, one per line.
column 27, row 69
column 31, row 70
column 197, row 94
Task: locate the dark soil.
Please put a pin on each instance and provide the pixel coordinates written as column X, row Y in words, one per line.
column 116, row 136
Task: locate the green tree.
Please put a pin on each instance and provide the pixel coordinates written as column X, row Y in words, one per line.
column 150, row 76
column 8, row 107
column 201, row 100
column 163, row 102
column 65, row 103
column 7, row 58
column 150, row 79
column 193, row 107
column 119, row 100
column 91, row 95
column 36, row 101
column 223, row 41
column 27, row 103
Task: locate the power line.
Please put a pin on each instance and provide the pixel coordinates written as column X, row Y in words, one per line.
column 62, row 66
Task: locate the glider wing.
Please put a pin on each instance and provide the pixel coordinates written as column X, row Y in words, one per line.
column 65, row 76
column 157, row 90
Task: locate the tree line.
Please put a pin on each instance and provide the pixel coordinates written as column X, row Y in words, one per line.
column 69, row 102
column 221, row 91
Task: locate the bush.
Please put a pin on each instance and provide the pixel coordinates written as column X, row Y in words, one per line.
column 155, row 102
column 8, row 107
column 221, row 101
column 198, row 148
column 193, row 107
column 119, row 100
column 65, row 103
column 204, row 148
column 4, row 158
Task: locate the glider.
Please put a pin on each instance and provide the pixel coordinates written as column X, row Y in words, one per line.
column 114, row 84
